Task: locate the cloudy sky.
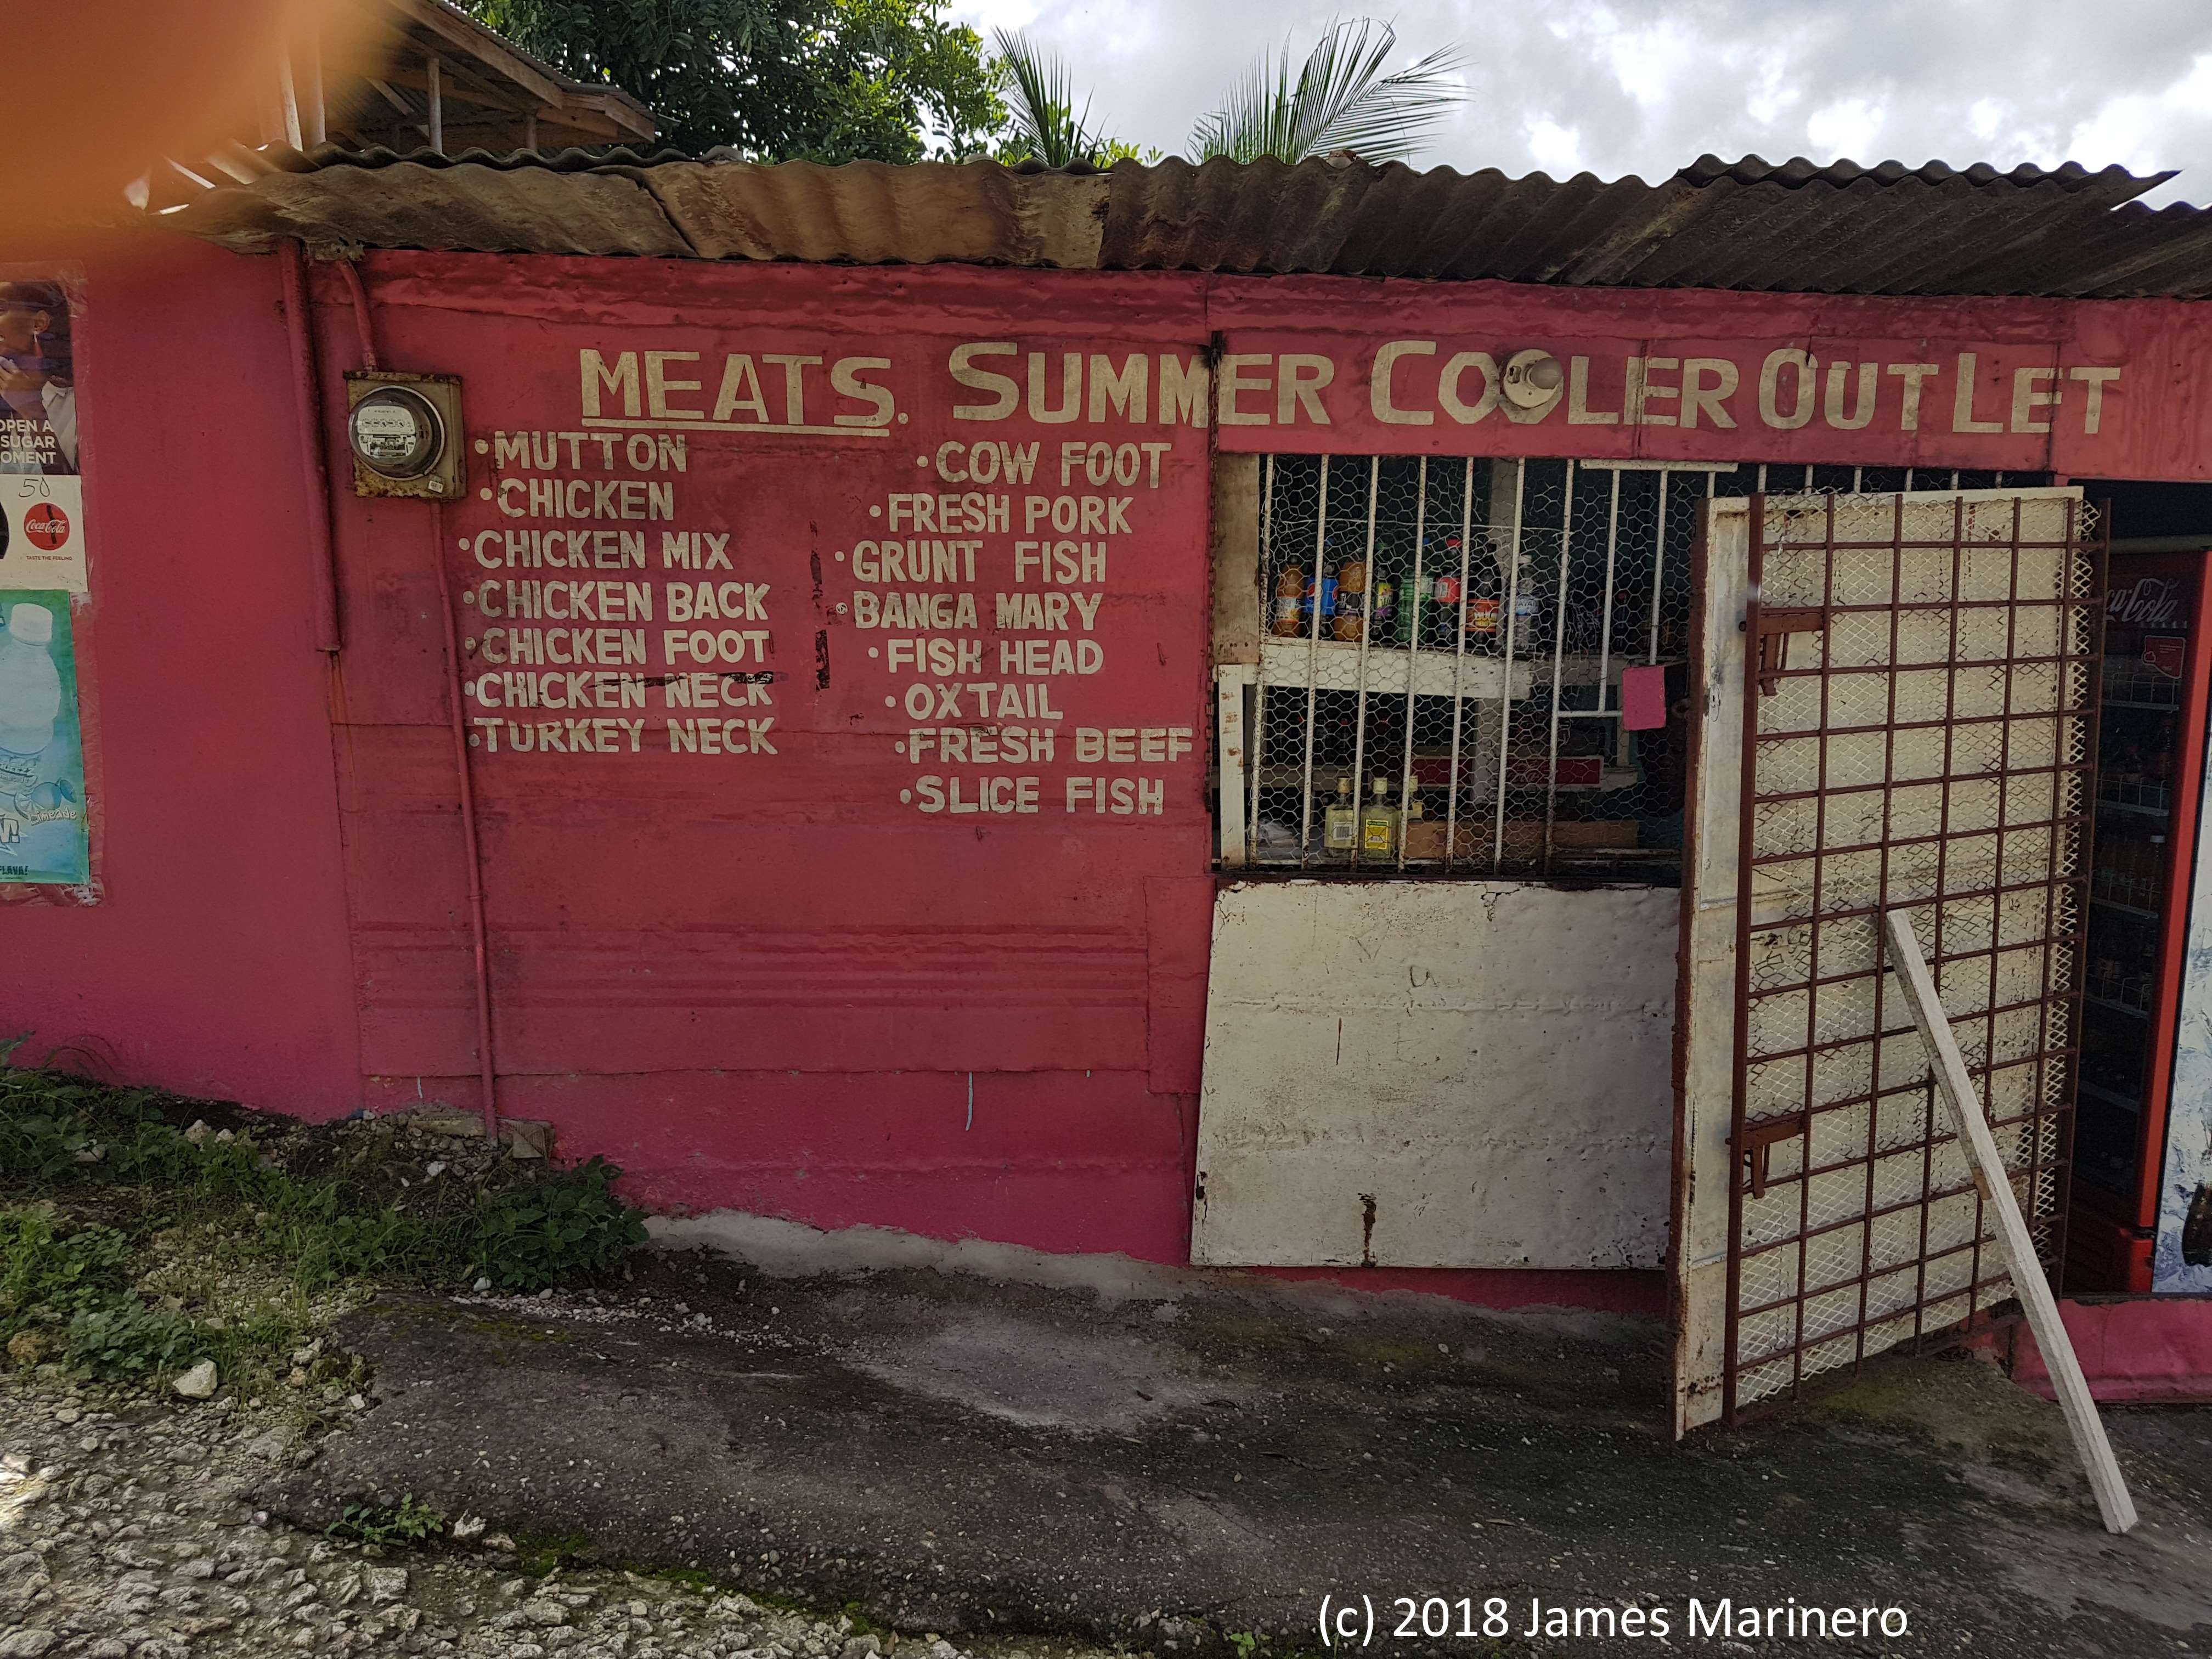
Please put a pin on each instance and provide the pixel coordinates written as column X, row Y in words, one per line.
column 1645, row 86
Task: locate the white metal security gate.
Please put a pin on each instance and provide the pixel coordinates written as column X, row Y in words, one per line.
column 1897, row 715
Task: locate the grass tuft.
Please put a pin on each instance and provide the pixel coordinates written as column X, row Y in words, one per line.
column 131, row 1249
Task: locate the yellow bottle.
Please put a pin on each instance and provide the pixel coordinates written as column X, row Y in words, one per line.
column 1378, row 824
column 1340, row 827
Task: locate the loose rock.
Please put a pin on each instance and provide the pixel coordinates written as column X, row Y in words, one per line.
column 198, row 1383
column 141, row 1541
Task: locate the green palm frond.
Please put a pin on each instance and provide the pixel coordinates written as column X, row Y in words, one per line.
column 1039, row 99
column 1339, row 98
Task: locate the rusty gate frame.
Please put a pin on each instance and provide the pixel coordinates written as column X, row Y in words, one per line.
column 1768, row 630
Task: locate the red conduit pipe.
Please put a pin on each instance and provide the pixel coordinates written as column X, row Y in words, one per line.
column 306, row 408
column 352, row 275
column 468, row 828
column 487, row 1072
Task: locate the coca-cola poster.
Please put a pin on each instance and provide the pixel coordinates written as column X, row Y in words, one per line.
column 41, row 480
column 43, row 842
column 2164, row 653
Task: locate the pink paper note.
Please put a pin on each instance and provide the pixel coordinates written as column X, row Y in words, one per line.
column 1643, row 698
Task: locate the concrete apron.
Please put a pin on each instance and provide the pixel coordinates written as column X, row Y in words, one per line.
column 976, row 1439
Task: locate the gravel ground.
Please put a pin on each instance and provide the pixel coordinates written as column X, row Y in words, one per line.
column 125, row 1529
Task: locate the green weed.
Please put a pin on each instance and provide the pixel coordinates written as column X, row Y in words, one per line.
column 128, row 1340
column 571, row 1222
column 316, row 1209
column 406, row 1524
column 47, row 1275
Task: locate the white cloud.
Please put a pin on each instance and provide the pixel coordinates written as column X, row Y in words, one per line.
column 1557, row 149
column 988, row 15
column 1646, row 86
column 1852, row 127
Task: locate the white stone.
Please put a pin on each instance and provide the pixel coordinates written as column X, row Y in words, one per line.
column 198, row 1383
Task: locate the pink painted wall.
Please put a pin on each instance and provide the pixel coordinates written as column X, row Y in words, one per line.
column 2136, row 1351
column 215, row 961
column 762, row 983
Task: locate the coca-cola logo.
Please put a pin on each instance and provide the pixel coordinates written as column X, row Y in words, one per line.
column 48, row 525
column 2151, row 602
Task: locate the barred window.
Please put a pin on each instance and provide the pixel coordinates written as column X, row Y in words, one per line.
column 1477, row 668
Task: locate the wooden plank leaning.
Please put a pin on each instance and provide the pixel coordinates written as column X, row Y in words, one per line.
column 1995, row 1183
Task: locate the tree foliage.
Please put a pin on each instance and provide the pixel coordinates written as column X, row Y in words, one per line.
column 1338, row 99
column 1043, row 123
column 778, row 80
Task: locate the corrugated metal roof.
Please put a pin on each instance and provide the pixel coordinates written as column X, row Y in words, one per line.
column 1799, row 227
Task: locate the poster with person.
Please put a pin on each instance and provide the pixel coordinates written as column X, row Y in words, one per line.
column 41, row 465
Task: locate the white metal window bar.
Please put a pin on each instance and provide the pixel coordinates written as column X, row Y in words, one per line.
column 1457, row 633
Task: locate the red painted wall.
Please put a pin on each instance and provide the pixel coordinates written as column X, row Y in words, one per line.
column 216, row 961
column 773, row 980
column 766, row 981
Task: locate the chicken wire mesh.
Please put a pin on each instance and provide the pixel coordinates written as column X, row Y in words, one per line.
column 1479, row 668
column 1440, row 683
column 1921, row 681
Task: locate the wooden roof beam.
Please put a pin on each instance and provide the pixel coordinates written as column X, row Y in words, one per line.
column 453, row 33
column 607, row 110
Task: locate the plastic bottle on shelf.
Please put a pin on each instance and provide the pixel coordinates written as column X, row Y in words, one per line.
column 1416, row 595
column 1384, row 601
column 1290, row 600
column 1351, row 598
column 1482, row 627
column 1446, row 616
column 1524, row 621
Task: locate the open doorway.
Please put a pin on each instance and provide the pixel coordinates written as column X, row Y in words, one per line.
column 2141, row 1210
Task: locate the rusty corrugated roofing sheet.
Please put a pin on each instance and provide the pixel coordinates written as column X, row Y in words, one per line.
column 1799, row 227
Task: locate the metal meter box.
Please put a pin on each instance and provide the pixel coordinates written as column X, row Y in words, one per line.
column 404, row 433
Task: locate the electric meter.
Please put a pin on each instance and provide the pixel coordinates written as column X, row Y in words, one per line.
column 395, row 432
column 404, row 432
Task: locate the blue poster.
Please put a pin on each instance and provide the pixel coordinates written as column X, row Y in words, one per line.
column 42, row 817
